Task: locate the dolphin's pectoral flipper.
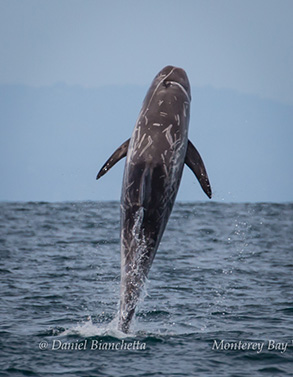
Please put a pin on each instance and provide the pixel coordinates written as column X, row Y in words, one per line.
column 195, row 163
column 116, row 156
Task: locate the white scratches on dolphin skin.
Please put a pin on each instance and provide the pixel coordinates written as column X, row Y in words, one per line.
column 177, row 141
column 138, row 133
column 150, row 142
column 172, row 142
column 157, row 124
column 168, row 134
column 132, row 149
column 127, row 197
column 177, row 118
column 175, row 98
column 163, row 114
column 160, row 102
column 141, row 140
column 138, row 130
column 129, row 185
column 138, row 119
column 185, row 108
column 164, row 162
column 146, row 120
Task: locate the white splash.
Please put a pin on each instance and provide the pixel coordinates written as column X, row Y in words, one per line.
column 88, row 329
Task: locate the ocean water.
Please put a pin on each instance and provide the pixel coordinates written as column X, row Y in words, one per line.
column 218, row 301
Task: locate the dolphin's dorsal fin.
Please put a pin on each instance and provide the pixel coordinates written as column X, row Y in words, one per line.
column 195, row 163
column 116, row 156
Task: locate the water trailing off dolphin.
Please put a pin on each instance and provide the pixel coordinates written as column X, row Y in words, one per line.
column 155, row 157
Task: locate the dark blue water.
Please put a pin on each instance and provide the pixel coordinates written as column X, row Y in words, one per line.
column 221, row 283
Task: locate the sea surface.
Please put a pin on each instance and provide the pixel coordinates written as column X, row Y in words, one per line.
column 218, row 301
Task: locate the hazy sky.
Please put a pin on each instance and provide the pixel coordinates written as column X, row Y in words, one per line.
column 242, row 48
column 245, row 45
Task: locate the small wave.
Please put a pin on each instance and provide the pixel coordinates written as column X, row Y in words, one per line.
column 51, row 332
column 287, row 311
column 272, row 370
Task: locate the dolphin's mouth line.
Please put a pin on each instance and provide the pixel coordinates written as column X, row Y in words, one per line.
column 180, row 86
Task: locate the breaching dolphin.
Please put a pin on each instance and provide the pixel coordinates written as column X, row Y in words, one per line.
column 155, row 157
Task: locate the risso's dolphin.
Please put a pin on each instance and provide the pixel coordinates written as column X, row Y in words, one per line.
column 156, row 153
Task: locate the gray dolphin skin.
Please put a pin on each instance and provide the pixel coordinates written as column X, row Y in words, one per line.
column 155, row 156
